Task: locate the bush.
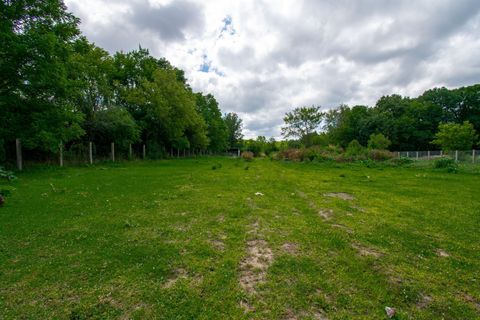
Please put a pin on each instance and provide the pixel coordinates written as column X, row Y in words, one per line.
column 378, row 141
column 290, row 154
column 247, row 155
column 355, row 150
column 380, row 155
column 403, row 161
column 446, row 163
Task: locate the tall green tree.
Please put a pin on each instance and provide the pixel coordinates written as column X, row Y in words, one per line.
column 217, row 133
column 302, row 122
column 234, row 129
column 37, row 41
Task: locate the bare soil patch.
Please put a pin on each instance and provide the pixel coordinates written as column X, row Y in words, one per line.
column 290, row 248
column 218, row 244
column 424, row 301
column 472, row 300
column 342, row 227
column 340, row 195
column 247, row 307
column 180, row 273
column 253, row 269
column 442, row 253
column 366, row 251
column 326, row 214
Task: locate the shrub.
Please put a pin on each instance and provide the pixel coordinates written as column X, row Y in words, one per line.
column 403, row 161
column 355, row 150
column 309, row 154
column 380, row 155
column 446, row 163
column 247, row 155
column 290, row 154
column 379, row 142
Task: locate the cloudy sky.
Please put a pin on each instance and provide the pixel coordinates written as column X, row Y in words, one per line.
column 262, row 58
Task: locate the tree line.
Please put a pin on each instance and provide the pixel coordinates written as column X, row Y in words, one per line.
column 58, row 88
column 439, row 118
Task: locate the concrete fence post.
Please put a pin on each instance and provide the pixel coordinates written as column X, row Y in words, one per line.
column 130, row 151
column 441, row 153
column 456, row 155
column 112, row 147
column 408, row 154
column 416, row 155
column 144, row 152
column 428, row 154
column 473, row 156
column 90, row 152
column 18, row 146
column 61, row 154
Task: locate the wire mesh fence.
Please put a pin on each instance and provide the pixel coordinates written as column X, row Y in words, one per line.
column 472, row 156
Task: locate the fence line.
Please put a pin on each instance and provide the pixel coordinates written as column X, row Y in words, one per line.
column 83, row 153
column 472, row 156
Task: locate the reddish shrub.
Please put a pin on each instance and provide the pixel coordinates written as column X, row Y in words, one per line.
column 247, row 155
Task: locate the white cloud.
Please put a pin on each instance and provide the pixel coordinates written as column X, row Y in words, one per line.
column 276, row 55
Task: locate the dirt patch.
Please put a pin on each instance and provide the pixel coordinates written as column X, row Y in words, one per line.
column 342, row 227
column 218, row 244
column 424, row 301
column 442, row 253
column 180, row 273
column 247, row 307
column 366, row 251
column 290, row 248
column 340, row 195
column 326, row 214
column 472, row 300
column 221, row 219
column 253, row 269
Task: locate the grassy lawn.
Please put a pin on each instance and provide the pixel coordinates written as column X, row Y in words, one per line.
column 261, row 240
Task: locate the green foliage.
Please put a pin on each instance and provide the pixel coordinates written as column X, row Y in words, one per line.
column 37, row 39
column 260, row 146
column 453, row 136
column 302, row 123
column 217, row 133
column 234, row 129
column 446, row 163
column 409, row 123
column 115, row 125
column 7, row 175
column 59, row 88
column 355, row 149
column 380, row 155
column 402, row 161
column 378, row 141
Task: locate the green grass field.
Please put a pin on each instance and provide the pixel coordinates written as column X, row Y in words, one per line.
column 218, row 238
